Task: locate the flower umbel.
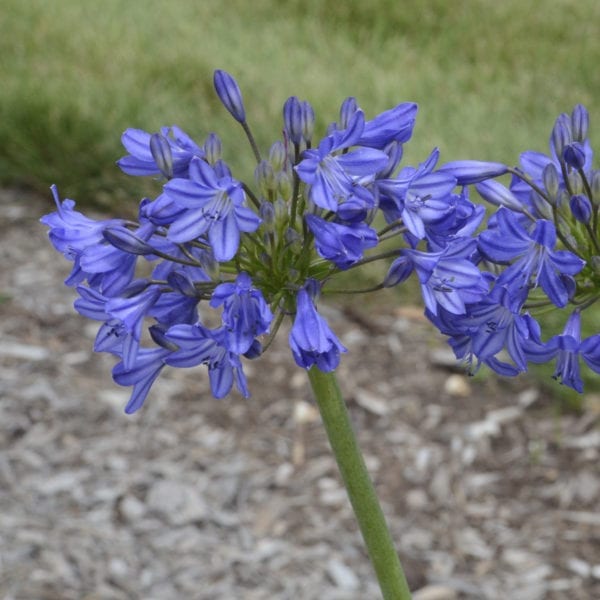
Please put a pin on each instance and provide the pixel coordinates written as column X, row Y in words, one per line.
column 255, row 255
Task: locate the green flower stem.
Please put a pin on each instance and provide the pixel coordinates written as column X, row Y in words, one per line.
column 358, row 485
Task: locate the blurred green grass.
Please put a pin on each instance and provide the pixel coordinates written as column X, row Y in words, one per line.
column 489, row 77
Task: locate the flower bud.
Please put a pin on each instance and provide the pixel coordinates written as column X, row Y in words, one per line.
column 574, row 155
column 595, row 185
column 125, row 240
column 209, row 264
column 157, row 333
column 473, row 171
column 395, row 151
column 182, row 283
column 575, row 182
column 293, row 239
column 292, row 119
column 278, row 156
column 498, row 195
column 308, row 121
column 212, row 148
column 580, row 121
column 267, row 214
column 581, row 207
column 347, row 110
column 161, row 153
column 398, row 272
column 254, row 351
column 265, row 177
column 561, row 134
column 284, row 185
column 230, row 95
column 551, row 180
column 281, row 210
column 542, row 208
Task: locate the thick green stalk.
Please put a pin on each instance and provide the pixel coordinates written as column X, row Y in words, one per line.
column 362, row 495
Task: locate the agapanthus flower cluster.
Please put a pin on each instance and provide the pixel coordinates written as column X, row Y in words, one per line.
column 213, row 265
column 540, row 251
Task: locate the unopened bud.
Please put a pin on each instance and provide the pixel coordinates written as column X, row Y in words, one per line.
column 308, row 121
column 265, row 177
column 125, row 240
column 292, row 119
column 212, row 148
column 278, row 156
column 347, row 110
column 281, row 210
column 293, row 239
column 395, row 151
column 561, row 134
column 254, row 351
column 230, row 95
column 267, row 214
column 575, row 182
column 161, row 153
column 551, row 181
column 574, row 155
column 581, row 208
column 284, row 185
column 498, row 195
column 210, row 264
column 580, row 121
column 182, row 283
column 595, row 185
column 542, row 207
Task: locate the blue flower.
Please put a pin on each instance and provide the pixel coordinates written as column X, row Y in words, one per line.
column 130, row 313
column 448, row 278
column 565, row 347
column 537, row 260
column 461, row 221
column 214, row 205
column 418, row 196
column 393, row 125
column 175, row 306
column 72, row 233
column 332, row 176
column 110, row 267
column 311, row 340
column 141, row 375
column 245, row 315
column 342, row 244
column 498, row 324
column 143, row 154
column 198, row 345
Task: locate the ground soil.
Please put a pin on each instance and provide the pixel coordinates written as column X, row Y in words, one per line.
column 490, row 492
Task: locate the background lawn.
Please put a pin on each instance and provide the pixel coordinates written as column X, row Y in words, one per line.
column 490, row 77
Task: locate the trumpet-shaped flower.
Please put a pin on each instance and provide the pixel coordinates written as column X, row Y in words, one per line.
column 537, row 262
column 342, row 244
column 147, row 158
column 311, row 339
column 331, row 176
column 245, row 316
column 214, row 206
column 448, row 278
